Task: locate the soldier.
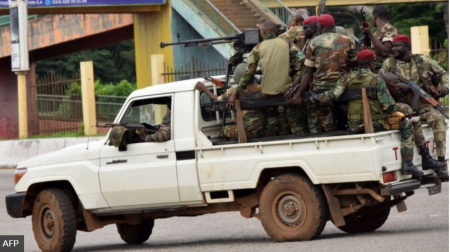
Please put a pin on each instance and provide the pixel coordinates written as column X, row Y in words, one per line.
column 295, row 32
column 419, row 139
column 382, row 38
column 310, row 30
column 328, row 54
column 385, row 113
column 273, row 57
column 254, row 120
column 164, row 132
column 420, row 69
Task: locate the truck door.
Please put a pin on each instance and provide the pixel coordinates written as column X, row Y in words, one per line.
column 143, row 175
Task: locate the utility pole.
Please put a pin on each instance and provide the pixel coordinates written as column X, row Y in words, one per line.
column 19, row 58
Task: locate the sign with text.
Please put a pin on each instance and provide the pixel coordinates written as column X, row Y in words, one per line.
column 84, row 3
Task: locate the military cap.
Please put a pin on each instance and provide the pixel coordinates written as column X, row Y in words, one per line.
column 365, row 55
column 310, row 20
column 116, row 135
column 239, row 71
column 326, row 20
column 402, row 38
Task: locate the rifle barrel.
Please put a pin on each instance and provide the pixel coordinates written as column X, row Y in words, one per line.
column 194, row 42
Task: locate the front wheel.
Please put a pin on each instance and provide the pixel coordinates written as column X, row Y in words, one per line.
column 365, row 223
column 54, row 221
column 135, row 234
column 291, row 208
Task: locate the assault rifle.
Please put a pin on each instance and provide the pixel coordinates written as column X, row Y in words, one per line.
column 365, row 40
column 420, row 93
column 242, row 42
column 130, row 126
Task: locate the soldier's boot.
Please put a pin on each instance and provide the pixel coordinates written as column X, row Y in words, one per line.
column 442, row 171
column 428, row 162
column 408, row 168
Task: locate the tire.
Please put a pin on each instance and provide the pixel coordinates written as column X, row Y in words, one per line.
column 54, row 221
column 365, row 223
column 136, row 234
column 291, row 208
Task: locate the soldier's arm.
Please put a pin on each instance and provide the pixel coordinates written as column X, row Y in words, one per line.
column 298, row 56
column 249, row 75
column 336, row 92
column 307, row 75
column 436, row 68
column 384, row 97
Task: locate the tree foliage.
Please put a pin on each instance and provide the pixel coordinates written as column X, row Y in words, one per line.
column 112, row 63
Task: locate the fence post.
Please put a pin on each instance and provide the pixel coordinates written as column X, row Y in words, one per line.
column 420, row 42
column 88, row 98
column 157, row 62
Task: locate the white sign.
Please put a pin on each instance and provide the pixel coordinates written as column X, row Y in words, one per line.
column 15, row 56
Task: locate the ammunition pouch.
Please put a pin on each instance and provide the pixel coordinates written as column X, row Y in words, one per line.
column 393, row 121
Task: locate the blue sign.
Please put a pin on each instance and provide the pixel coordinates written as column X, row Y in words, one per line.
column 84, row 3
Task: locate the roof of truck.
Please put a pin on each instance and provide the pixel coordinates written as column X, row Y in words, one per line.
column 172, row 87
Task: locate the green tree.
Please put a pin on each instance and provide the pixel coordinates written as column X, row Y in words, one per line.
column 112, row 63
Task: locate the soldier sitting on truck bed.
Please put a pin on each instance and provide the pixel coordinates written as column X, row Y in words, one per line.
column 385, row 112
column 254, row 120
column 427, row 161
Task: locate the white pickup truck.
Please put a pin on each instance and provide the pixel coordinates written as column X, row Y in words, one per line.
column 294, row 185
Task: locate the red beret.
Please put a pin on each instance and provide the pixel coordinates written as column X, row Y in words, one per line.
column 310, row 20
column 402, row 38
column 326, row 20
column 366, row 55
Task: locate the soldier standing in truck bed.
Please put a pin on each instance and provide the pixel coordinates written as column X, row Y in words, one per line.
column 327, row 54
column 273, row 57
column 382, row 38
column 295, row 33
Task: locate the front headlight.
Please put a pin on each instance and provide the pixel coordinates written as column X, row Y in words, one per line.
column 18, row 174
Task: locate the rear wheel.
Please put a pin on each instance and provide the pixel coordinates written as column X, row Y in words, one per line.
column 54, row 221
column 135, row 234
column 291, row 208
column 365, row 223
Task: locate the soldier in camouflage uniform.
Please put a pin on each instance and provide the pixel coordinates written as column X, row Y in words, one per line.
column 295, row 32
column 254, row 120
column 419, row 139
column 385, row 112
column 273, row 57
column 420, row 69
column 162, row 135
column 327, row 54
column 382, row 38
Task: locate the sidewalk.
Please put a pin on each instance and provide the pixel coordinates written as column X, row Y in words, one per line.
column 12, row 152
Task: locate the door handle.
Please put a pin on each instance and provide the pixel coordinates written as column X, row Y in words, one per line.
column 162, row 156
column 118, row 161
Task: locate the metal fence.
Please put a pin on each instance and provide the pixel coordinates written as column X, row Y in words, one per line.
column 108, row 106
column 58, row 103
column 193, row 69
column 440, row 54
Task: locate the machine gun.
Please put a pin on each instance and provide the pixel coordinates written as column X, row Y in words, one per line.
column 365, row 40
column 147, row 127
column 242, row 42
column 420, row 93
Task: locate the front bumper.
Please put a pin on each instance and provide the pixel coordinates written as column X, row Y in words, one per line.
column 14, row 204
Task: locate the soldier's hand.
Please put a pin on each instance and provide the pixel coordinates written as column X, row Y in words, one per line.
column 230, row 103
column 140, row 132
column 200, row 86
column 365, row 30
column 442, row 91
column 297, row 99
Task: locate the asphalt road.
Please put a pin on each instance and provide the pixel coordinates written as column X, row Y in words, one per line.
column 424, row 227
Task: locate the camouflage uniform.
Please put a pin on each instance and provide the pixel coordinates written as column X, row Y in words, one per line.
column 381, row 110
column 418, row 70
column 254, row 120
column 387, row 34
column 164, row 132
column 276, row 56
column 328, row 53
column 293, row 35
